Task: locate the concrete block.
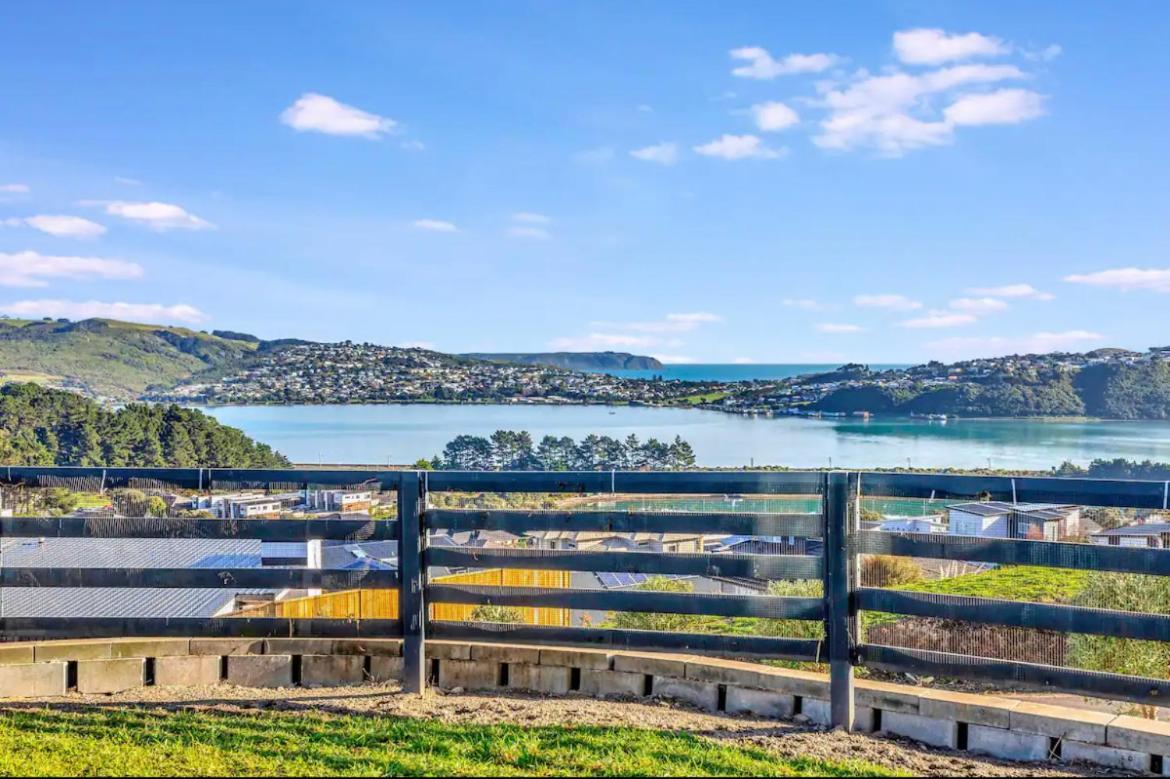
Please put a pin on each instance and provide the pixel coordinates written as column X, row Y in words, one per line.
column 188, row 671
column 373, row 647
column 505, row 653
column 16, row 654
column 260, row 670
column 34, row 680
column 729, row 672
column 702, row 695
column 1073, row 751
column 547, row 679
column 332, row 670
column 612, row 684
column 100, row 649
column 1140, row 735
column 155, row 647
column 1007, row 744
column 674, row 666
column 935, row 732
column 884, row 696
column 820, row 712
column 386, row 669
column 965, row 707
column 445, row 650
column 577, row 658
column 96, row 677
column 1060, row 722
column 227, row 646
column 468, row 674
column 760, row 703
column 298, row 646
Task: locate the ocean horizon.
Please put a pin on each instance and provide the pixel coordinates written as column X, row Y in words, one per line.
column 737, row 371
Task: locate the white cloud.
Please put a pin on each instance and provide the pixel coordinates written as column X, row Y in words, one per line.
column 887, row 301
column 662, row 153
column 995, row 346
column 529, row 217
column 435, row 225
column 761, row 65
column 839, row 328
column 805, row 304
column 1011, row 291
column 535, row 233
column 1004, row 106
column 894, row 112
column 671, row 323
column 645, row 108
column 14, row 189
column 157, row 216
column 127, row 181
column 1126, row 279
column 320, row 113
column 935, row 319
column 90, row 309
column 602, row 341
column 930, row 46
column 32, row 269
column 984, row 305
column 774, row 116
column 58, row 225
column 428, row 345
column 673, row 359
column 737, row 147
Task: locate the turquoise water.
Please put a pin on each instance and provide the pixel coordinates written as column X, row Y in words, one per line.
column 378, row 434
column 728, row 372
column 903, row 507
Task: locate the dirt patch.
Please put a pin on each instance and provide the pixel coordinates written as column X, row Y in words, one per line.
column 782, row 738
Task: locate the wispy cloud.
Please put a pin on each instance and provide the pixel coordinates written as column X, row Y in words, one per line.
column 838, row 328
column 32, row 269
column 603, row 341
column 1126, row 279
column 931, row 46
column 738, row 147
column 1004, row 106
column 1011, row 291
column 805, row 304
column 891, row 302
column 530, row 225
column 762, row 65
column 58, row 225
column 435, row 225
column 126, row 180
column 662, row 153
column 674, row 359
column 323, row 114
column 135, row 312
column 155, row 215
column 937, row 319
column 15, row 189
column 984, row 305
column 532, row 218
column 660, row 333
column 524, row 231
column 995, row 346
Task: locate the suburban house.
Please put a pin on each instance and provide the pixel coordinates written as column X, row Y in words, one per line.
column 999, row 519
column 343, row 501
column 604, row 540
column 929, row 524
column 1145, row 534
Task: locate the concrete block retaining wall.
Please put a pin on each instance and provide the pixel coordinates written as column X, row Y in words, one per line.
column 1001, row 727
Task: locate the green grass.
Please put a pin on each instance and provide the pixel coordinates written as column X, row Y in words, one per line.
column 705, row 397
column 1040, row 585
column 145, row 742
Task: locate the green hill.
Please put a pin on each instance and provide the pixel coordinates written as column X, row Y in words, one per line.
column 107, row 358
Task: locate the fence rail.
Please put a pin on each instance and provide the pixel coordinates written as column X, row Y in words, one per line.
column 842, row 645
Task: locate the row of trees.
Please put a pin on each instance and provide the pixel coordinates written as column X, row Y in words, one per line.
column 515, row 450
column 40, row 426
column 1118, row 468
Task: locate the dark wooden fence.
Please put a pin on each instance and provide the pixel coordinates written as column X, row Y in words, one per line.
column 837, row 568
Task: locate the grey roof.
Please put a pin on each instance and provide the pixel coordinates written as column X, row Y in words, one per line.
column 1148, row 529
column 122, row 553
column 995, row 508
column 376, row 555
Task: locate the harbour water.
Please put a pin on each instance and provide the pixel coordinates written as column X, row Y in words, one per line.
column 735, row 372
column 379, row 434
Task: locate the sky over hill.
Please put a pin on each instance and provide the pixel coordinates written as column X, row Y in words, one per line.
column 886, row 182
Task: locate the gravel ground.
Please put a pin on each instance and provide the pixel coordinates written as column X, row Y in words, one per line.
column 782, row 738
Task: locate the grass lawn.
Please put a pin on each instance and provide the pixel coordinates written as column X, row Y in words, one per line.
column 146, row 742
column 1020, row 582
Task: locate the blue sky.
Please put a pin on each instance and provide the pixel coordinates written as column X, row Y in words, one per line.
column 769, row 182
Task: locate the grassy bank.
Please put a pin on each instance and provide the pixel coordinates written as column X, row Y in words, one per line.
column 124, row 741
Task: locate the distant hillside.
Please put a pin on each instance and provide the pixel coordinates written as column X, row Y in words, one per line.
column 108, row 358
column 574, row 361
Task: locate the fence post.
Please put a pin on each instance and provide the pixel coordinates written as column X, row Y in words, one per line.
column 835, row 506
column 412, row 572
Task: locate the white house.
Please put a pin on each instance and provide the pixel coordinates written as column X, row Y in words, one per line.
column 998, row 519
